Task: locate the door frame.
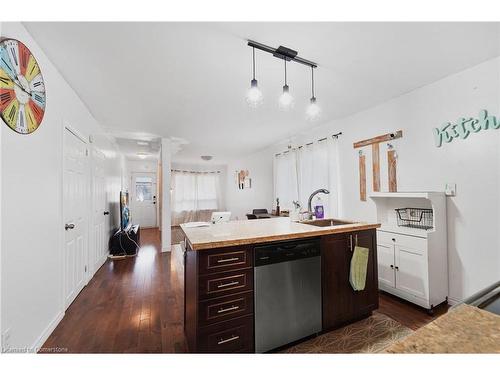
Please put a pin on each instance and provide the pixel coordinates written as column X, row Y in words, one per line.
column 67, row 127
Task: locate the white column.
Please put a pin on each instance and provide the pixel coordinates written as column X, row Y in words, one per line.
column 166, row 158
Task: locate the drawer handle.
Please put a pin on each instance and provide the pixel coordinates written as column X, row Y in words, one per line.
column 227, row 260
column 228, row 284
column 228, row 340
column 228, row 309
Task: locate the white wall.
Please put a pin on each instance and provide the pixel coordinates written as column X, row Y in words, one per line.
column 473, row 164
column 31, row 200
column 260, row 195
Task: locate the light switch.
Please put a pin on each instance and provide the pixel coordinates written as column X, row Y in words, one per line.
column 450, row 190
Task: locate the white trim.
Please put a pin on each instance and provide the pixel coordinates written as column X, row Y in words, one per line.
column 47, row 331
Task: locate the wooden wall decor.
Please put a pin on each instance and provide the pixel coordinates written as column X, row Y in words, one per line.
column 362, row 177
column 376, row 166
column 391, row 157
column 379, row 139
column 391, row 161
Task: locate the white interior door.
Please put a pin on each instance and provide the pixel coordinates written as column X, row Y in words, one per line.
column 75, row 198
column 98, row 250
column 385, row 255
column 411, row 271
column 143, row 199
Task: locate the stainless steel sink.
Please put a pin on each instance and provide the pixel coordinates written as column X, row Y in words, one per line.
column 326, row 222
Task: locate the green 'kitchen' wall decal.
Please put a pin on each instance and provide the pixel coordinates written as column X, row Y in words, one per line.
column 465, row 126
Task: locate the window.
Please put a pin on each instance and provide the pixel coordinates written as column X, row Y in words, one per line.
column 143, row 189
column 195, row 195
column 300, row 171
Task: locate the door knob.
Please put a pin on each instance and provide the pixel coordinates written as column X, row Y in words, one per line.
column 106, row 212
column 69, row 226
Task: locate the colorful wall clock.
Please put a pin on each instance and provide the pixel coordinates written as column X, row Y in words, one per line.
column 22, row 89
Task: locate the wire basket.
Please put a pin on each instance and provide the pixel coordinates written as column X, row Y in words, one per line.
column 419, row 218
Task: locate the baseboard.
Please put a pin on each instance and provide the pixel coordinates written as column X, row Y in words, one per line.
column 453, row 301
column 166, row 249
column 47, row 332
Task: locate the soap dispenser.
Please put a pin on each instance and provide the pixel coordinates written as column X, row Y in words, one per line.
column 319, row 211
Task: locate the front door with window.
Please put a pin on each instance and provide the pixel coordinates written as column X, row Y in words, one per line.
column 143, row 199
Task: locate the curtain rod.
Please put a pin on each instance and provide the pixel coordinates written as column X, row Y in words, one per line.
column 180, row 170
column 336, row 136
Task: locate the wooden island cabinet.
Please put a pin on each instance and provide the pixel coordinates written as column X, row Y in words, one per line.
column 341, row 304
column 219, row 290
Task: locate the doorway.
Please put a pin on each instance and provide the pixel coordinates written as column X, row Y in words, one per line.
column 76, row 213
column 143, row 199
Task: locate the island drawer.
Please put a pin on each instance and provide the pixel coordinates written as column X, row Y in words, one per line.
column 232, row 336
column 221, row 284
column 220, row 260
column 216, row 310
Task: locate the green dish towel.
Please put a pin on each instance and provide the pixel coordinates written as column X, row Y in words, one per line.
column 359, row 265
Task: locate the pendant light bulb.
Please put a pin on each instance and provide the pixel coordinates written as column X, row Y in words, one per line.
column 254, row 95
column 313, row 111
column 286, row 100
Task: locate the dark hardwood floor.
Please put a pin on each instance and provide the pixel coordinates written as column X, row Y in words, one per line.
column 406, row 313
column 135, row 305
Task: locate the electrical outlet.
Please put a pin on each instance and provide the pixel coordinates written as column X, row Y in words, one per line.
column 6, row 340
column 450, row 190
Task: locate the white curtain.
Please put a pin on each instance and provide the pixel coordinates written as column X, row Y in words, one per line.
column 195, row 195
column 285, row 179
column 301, row 171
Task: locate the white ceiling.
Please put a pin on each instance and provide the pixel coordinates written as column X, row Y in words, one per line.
column 149, row 150
column 188, row 80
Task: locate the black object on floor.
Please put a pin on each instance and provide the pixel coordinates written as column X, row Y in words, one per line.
column 125, row 242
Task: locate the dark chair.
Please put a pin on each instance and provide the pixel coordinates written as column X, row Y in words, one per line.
column 259, row 211
column 251, row 216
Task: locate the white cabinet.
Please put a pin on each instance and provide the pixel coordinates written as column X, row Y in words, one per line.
column 404, row 266
column 385, row 255
column 412, row 263
column 411, row 272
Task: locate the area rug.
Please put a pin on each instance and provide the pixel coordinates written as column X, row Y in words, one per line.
column 370, row 335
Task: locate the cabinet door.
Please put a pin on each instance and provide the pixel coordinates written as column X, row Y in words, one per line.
column 411, row 271
column 386, row 274
column 341, row 303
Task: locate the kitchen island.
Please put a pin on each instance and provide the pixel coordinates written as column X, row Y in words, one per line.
column 219, row 277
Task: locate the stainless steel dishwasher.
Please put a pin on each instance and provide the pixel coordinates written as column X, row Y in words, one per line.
column 287, row 288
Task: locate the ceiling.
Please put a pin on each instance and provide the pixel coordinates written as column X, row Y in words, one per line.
column 137, row 148
column 188, row 80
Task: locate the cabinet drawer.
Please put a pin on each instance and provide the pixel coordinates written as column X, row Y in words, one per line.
column 410, row 243
column 222, row 284
column 220, row 309
column 221, row 260
column 233, row 336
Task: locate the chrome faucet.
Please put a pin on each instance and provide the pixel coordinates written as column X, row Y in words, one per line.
column 324, row 191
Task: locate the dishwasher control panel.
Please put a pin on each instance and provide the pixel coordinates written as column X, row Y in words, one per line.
column 286, row 251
